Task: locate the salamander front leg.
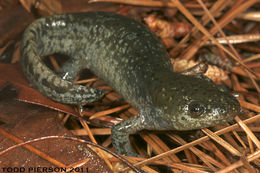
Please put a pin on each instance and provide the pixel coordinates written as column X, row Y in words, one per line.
column 121, row 132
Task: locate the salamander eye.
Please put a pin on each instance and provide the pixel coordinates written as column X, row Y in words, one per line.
column 196, row 109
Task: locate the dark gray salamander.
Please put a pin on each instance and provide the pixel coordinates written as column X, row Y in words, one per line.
column 132, row 60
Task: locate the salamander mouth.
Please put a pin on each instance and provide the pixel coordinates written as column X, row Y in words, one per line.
column 227, row 117
column 184, row 122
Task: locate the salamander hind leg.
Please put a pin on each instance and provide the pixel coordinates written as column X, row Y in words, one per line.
column 77, row 94
column 64, row 91
column 71, row 68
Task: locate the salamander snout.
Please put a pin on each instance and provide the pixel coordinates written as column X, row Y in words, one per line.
column 206, row 113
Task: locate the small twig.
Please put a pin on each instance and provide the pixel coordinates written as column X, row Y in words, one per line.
column 236, row 39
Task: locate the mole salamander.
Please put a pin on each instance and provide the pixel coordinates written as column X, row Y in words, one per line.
column 134, row 62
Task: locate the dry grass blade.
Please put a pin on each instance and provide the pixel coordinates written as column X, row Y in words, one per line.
column 204, row 157
column 86, row 81
column 248, row 132
column 241, row 71
column 215, row 9
column 109, row 111
column 159, row 146
column 255, row 16
column 238, row 57
column 146, row 3
column 207, row 34
column 134, row 160
column 145, row 168
column 54, row 63
column 150, row 3
column 249, row 106
column 183, row 167
column 239, row 139
column 94, row 131
column 250, row 143
column 247, row 165
column 91, row 136
column 218, row 152
column 221, row 142
column 252, row 58
column 239, row 163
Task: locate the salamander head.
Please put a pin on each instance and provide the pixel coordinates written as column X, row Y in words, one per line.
column 188, row 103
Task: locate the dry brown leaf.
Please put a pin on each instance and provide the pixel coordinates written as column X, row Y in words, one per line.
column 13, row 74
column 26, row 122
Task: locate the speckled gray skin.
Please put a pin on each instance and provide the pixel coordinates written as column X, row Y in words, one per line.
column 132, row 60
